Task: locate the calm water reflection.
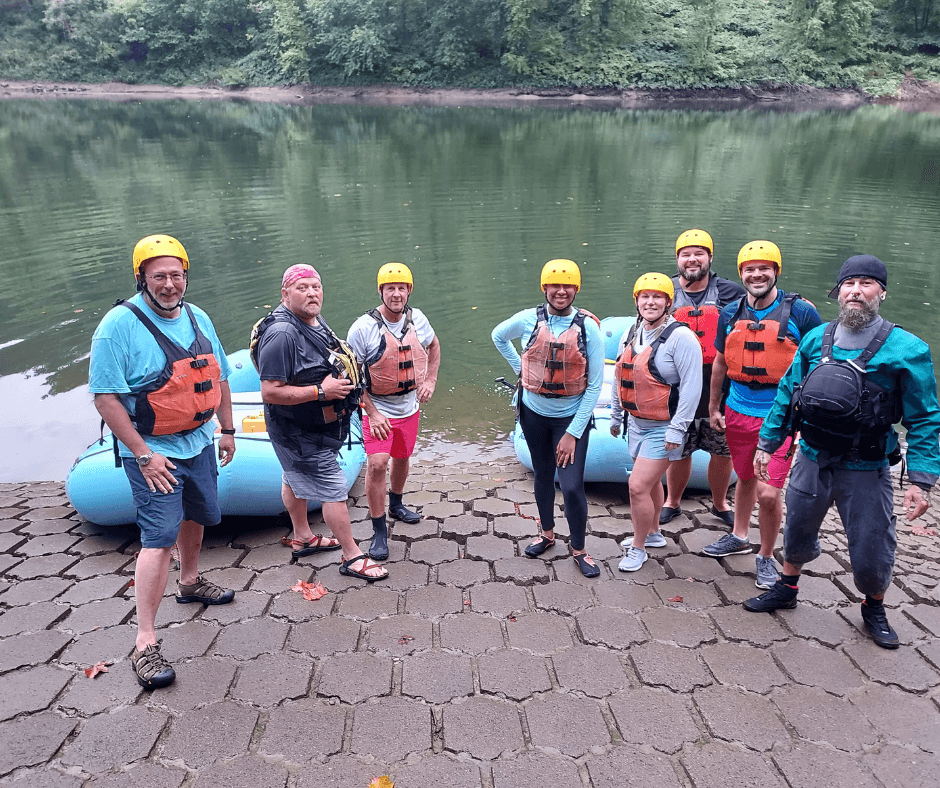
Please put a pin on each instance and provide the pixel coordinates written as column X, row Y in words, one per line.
column 474, row 200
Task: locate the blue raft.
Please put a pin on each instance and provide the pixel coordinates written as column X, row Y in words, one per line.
column 250, row 485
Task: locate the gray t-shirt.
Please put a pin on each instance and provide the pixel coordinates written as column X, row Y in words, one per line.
column 365, row 338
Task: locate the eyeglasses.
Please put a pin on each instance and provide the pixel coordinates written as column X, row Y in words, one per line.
column 160, row 279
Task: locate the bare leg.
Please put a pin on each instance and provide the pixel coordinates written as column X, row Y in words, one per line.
column 646, row 497
column 150, row 578
column 769, row 517
column 745, row 497
column 376, row 468
column 399, row 475
column 336, row 516
column 677, row 479
column 189, row 542
column 719, row 479
column 297, row 509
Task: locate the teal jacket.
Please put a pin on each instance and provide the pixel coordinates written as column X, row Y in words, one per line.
column 902, row 364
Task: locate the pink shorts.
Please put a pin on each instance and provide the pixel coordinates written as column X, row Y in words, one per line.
column 400, row 442
column 741, row 433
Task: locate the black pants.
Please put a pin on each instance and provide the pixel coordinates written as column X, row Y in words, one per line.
column 542, row 434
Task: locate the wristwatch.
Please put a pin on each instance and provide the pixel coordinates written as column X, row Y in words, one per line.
column 321, row 394
column 228, row 432
column 143, row 459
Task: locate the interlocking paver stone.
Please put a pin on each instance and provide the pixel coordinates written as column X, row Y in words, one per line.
column 30, row 741
column 905, row 718
column 118, row 687
column 31, row 689
column 42, row 566
column 694, row 541
column 437, row 676
column 30, row 618
column 400, row 635
column 489, row 548
column 500, row 599
column 694, row 596
column 582, row 729
column 340, row 771
column 562, row 597
column 293, row 607
column 28, row 592
column 512, row 673
column 114, row 739
column 907, row 670
column 141, row 775
column 197, row 684
column 354, row 677
column 464, row 573
column 322, row 727
column 471, row 633
column 810, row 766
column 715, row 765
column 391, row 728
column 493, row 506
column 448, row 511
column 697, row 567
column 325, row 636
column 32, row 649
column 247, row 604
column 899, row 768
column 665, row 665
column 85, row 618
column 818, row 666
column 434, row 601
column 460, row 527
column 189, row 640
column 435, row 771
column 100, row 645
column 628, row 767
column 369, row 602
column 524, row 571
column 655, row 718
column 41, row 545
column 534, row 770
column 736, row 623
column 217, row 732
column 927, row 616
column 406, row 574
column 743, row 665
column 411, row 532
column 821, row 624
column 738, row 716
column 610, row 627
column 820, row 717
column 685, row 628
column 273, row 678
column 482, row 727
column 594, row 671
column 626, row 596
column 541, row 633
column 650, row 572
column 434, row 551
column 245, row 772
column 248, row 639
column 821, row 591
column 515, row 527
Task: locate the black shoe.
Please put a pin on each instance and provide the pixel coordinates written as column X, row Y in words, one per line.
column 378, row 547
column 726, row 517
column 876, row 622
column 399, row 512
column 667, row 513
column 780, row 597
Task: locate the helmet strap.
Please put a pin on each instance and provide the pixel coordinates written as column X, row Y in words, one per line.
column 553, row 311
column 142, row 288
column 385, row 303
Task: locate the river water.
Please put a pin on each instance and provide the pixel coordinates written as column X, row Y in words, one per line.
column 474, row 200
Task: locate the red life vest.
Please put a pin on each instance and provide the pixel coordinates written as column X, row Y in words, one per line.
column 703, row 318
column 401, row 364
column 556, row 366
column 759, row 353
column 641, row 388
column 188, row 390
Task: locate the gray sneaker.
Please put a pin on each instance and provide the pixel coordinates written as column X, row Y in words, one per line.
column 766, row 572
column 729, row 544
column 633, row 561
column 655, row 539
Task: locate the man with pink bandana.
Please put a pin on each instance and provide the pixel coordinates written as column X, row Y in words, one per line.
column 310, row 386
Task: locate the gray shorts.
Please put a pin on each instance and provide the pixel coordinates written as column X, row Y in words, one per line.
column 700, row 435
column 866, row 506
column 314, row 477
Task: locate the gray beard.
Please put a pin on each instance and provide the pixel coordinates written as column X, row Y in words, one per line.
column 857, row 319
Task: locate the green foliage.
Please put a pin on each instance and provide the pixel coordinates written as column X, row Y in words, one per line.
column 587, row 43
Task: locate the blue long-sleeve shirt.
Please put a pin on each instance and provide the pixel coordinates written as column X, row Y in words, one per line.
column 903, row 365
column 520, row 326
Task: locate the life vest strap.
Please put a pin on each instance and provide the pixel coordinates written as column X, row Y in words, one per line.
column 203, row 386
column 630, row 406
column 552, row 364
column 753, row 345
column 406, row 364
column 557, row 345
column 199, row 363
column 754, row 371
column 697, row 312
column 699, row 333
column 553, row 386
column 203, row 415
column 755, row 326
column 627, row 384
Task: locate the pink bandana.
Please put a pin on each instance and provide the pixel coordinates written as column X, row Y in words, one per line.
column 296, row 272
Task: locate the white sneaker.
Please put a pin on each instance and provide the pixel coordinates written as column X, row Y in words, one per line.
column 633, row 561
column 655, row 539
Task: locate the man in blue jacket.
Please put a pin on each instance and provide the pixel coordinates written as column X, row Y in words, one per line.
column 853, row 380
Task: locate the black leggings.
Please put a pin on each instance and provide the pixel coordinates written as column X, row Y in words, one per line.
column 542, row 434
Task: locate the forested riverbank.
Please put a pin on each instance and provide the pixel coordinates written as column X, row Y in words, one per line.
column 612, row 45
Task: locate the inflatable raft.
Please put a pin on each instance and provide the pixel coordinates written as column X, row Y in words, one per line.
column 249, row 485
column 608, row 458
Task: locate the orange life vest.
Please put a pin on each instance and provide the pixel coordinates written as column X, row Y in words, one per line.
column 642, row 390
column 556, row 366
column 188, row 390
column 759, row 353
column 701, row 318
column 401, row 364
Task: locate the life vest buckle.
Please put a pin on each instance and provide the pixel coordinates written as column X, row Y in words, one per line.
column 755, row 326
column 199, row 363
column 204, row 415
column 202, row 387
column 406, row 364
column 754, row 346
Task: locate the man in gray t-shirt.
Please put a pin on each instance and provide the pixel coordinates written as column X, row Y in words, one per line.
column 401, row 356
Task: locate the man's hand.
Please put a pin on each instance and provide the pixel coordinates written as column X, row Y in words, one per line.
column 336, row 388
column 564, row 454
column 379, row 426
column 157, row 474
column 716, row 421
column 916, row 502
column 226, row 449
column 426, row 390
column 615, row 430
column 761, row 463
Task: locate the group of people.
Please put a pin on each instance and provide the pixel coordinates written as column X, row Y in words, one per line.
column 740, row 372
column 159, row 376
column 707, row 365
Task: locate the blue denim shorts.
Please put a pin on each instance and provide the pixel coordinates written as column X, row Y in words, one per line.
column 650, row 442
column 195, row 497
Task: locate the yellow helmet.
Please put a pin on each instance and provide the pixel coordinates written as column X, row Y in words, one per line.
column 658, row 282
column 695, row 238
column 391, row 273
column 158, row 246
column 561, row 272
column 760, row 250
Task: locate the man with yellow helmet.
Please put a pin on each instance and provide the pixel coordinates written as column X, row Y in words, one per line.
column 158, row 373
column 658, row 382
column 757, row 338
column 561, row 371
column 401, row 356
column 700, row 297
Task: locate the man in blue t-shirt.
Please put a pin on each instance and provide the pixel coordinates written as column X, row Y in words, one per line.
column 158, row 373
column 757, row 338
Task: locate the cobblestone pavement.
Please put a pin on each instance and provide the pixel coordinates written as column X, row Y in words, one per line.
column 471, row 666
